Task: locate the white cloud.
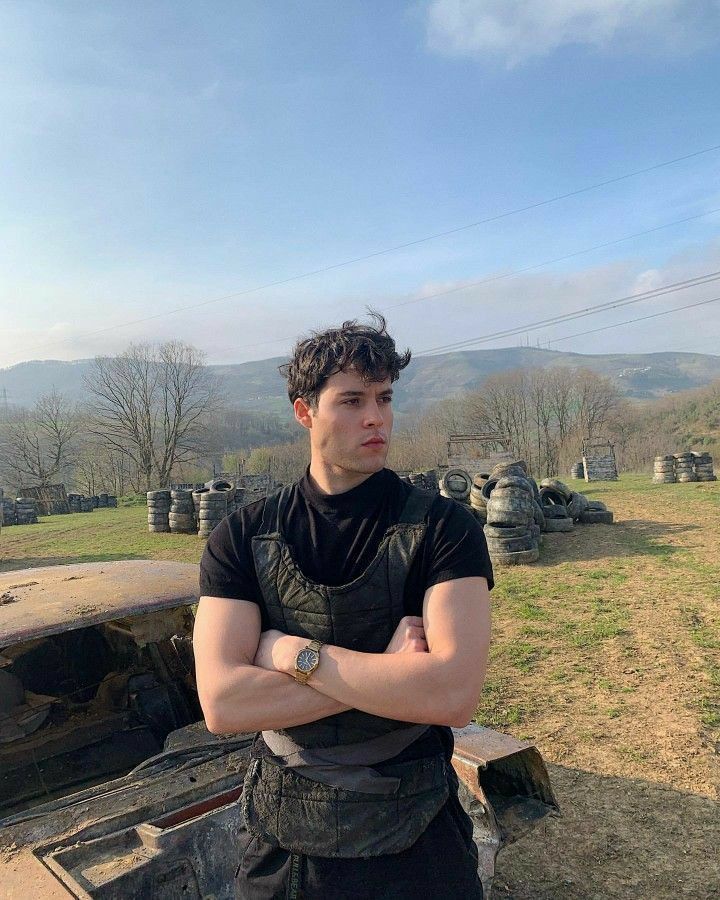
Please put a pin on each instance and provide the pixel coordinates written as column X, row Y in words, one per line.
column 518, row 30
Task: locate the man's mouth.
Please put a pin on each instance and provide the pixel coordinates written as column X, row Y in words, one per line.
column 373, row 441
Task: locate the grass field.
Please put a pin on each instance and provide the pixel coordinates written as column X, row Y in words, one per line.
column 606, row 654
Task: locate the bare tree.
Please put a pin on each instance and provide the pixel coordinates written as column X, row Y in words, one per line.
column 38, row 444
column 152, row 403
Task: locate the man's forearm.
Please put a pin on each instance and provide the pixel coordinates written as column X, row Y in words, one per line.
column 413, row 687
column 247, row 698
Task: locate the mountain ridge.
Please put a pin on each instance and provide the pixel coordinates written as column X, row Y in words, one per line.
column 258, row 385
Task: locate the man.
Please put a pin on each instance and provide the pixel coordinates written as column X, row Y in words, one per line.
column 347, row 619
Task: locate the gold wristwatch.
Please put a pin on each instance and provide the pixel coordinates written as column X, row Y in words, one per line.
column 307, row 660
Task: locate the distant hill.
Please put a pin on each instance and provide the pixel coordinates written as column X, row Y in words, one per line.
column 257, row 385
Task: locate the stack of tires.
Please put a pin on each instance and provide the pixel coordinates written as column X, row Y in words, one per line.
column 26, row 511
column 512, row 534
column 182, row 513
column 664, row 470
column 685, row 467
column 102, row 501
column 74, row 502
column 112, row 501
column 158, row 511
column 8, row 510
column 86, row 504
column 577, row 470
column 554, row 499
column 704, row 467
column 213, row 509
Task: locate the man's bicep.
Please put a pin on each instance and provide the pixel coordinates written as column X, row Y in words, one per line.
column 227, row 632
column 456, row 616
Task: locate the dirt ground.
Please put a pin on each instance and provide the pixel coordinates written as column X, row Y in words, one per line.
column 607, row 656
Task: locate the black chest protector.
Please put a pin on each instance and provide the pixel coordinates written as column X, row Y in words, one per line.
column 317, row 791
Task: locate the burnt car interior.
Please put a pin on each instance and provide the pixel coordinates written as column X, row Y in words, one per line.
column 80, row 707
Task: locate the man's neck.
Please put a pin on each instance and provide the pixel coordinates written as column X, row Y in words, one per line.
column 334, row 480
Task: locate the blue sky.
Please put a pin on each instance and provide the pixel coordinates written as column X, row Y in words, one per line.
column 159, row 155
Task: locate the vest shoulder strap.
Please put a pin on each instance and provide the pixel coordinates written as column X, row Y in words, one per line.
column 274, row 509
column 416, row 506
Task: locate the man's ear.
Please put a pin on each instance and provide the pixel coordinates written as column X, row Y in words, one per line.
column 302, row 412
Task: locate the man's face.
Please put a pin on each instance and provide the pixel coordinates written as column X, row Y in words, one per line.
column 350, row 428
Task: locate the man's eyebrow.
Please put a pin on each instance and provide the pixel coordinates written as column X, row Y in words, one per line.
column 386, row 392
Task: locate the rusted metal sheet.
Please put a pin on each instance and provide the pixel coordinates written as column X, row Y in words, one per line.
column 505, row 788
column 37, row 602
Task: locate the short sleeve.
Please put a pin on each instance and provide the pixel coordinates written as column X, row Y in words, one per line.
column 227, row 568
column 455, row 545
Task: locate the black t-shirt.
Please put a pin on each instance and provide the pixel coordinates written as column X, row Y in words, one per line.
column 335, row 537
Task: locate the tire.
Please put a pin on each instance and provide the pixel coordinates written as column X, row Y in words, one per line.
column 210, row 497
column 489, row 487
column 158, row 495
column 597, row 517
column 509, row 511
column 516, row 482
column 596, row 505
column 510, row 531
column 209, row 515
column 181, row 521
column 556, row 526
column 511, row 545
column 456, row 483
column 550, row 497
column 518, row 468
column 578, row 504
column 556, row 485
column 523, row 557
column 159, row 529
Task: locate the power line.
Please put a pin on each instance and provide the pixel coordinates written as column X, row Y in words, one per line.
column 577, row 314
column 392, row 249
column 665, row 312
column 503, row 275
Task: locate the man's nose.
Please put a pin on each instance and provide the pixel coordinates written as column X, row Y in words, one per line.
column 373, row 414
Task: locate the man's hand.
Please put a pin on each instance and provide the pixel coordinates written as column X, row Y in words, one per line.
column 277, row 652
column 409, row 636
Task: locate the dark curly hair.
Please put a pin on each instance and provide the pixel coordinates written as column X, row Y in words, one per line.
column 368, row 349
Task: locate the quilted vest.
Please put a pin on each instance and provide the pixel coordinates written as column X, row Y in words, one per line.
column 281, row 804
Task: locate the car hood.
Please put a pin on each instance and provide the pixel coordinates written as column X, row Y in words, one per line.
column 38, row 602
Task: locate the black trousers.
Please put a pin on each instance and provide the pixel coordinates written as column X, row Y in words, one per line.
column 440, row 865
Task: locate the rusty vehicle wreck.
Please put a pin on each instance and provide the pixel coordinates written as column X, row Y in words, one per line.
column 111, row 786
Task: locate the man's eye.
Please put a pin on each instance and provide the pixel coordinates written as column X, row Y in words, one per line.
column 353, row 401
column 386, row 399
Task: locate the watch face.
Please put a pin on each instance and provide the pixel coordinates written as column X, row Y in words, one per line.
column 307, row 660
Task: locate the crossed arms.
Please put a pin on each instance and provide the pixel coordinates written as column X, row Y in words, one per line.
column 431, row 672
